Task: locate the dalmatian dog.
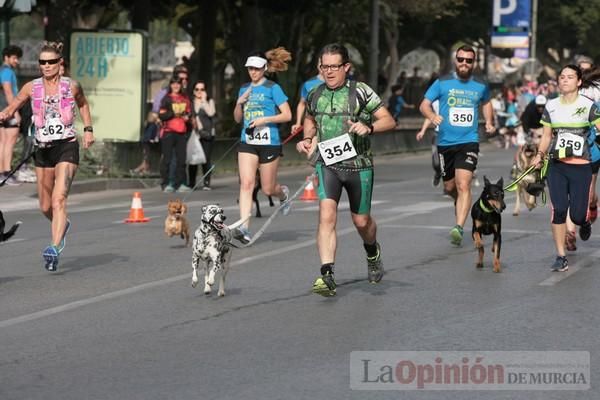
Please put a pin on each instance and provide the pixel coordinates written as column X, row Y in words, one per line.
column 212, row 246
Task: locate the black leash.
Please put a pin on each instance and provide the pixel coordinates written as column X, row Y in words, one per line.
column 15, row 169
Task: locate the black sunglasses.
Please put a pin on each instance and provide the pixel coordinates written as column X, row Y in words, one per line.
column 51, row 62
column 199, row 89
column 464, row 59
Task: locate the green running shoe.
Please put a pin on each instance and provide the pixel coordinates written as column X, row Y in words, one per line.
column 375, row 267
column 324, row 285
column 456, row 235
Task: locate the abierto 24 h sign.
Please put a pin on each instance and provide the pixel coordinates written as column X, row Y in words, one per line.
column 111, row 68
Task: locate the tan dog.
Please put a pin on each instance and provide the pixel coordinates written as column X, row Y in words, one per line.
column 176, row 222
column 524, row 157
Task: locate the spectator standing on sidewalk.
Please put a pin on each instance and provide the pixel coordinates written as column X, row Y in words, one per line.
column 203, row 113
column 9, row 129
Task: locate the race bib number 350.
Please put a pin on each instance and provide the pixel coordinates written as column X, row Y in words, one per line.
column 259, row 136
column 337, row 149
column 462, row 116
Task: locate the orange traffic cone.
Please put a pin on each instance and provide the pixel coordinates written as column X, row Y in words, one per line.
column 136, row 214
column 309, row 193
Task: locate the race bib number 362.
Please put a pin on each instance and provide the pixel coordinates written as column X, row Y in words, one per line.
column 53, row 130
column 461, row 116
column 337, row 149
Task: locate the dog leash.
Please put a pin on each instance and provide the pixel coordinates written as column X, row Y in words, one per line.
column 201, row 179
column 268, row 222
column 513, row 186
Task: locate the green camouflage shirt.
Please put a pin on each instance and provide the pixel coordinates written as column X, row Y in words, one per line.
column 331, row 111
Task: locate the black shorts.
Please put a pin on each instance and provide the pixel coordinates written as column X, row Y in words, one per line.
column 266, row 154
column 459, row 156
column 11, row 123
column 595, row 167
column 48, row 157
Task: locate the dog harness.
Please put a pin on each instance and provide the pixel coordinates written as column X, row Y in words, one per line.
column 53, row 115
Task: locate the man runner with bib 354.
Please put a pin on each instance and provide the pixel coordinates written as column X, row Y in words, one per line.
column 53, row 101
column 341, row 114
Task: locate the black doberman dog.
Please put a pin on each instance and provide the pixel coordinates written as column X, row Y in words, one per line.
column 7, row 235
column 487, row 220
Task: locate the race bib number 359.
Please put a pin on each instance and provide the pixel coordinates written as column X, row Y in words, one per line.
column 337, row 149
column 575, row 142
column 462, row 116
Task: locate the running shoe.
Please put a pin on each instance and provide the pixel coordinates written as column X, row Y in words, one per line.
column 11, row 181
column 242, row 234
column 50, row 255
column 184, row 189
column 63, row 240
column 585, row 230
column 560, row 264
column 570, row 241
column 375, row 267
column 287, row 204
column 169, row 189
column 456, row 235
column 593, row 213
column 435, row 182
column 206, row 188
column 325, row 285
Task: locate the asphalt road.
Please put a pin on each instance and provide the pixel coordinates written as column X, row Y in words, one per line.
column 119, row 320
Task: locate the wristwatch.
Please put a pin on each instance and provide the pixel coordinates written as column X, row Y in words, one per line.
column 88, row 129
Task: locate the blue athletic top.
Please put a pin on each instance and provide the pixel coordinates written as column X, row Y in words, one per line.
column 309, row 85
column 264, row 101
column 459, row 107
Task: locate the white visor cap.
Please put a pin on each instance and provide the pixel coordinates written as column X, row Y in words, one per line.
column 256, row 62
column 541, row 100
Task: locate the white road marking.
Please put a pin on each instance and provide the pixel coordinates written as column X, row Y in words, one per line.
column 134, row 289
column 447, row 228
column 12, row 241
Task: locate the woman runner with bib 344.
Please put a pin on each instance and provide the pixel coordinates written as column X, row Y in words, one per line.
column 260, row 107
column 53, row 101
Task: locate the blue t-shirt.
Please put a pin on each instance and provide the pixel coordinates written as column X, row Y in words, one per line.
column 309, row 85
column 264, row 101
column 459, row 108
column 8, row 75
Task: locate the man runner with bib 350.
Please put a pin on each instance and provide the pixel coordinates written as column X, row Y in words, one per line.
column 341, row 114
column 460, row 95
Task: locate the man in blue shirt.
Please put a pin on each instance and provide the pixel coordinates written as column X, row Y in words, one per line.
column 460, row 95
column 301, row 107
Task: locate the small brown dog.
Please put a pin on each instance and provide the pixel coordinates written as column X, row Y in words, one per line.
column 176, row 222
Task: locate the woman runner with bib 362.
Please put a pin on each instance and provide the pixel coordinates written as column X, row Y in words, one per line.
column 53, row 101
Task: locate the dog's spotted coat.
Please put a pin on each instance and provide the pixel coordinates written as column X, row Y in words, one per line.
column 211, row 245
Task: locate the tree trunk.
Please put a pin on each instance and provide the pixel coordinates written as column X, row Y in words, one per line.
column 203, row 58
column 140, row 15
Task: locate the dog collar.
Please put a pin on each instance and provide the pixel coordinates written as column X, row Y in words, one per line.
column 483, row 207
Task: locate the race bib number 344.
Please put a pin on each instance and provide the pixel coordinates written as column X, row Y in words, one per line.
column 462, row 116
column 259, row 136
column 337, row 149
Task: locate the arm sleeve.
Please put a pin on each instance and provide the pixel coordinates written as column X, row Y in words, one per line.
column 594, row 116
column 278, row 96
column 485, row 96
column 546, row 121
column 303, row 92
column 433, row 93
column 369, row 98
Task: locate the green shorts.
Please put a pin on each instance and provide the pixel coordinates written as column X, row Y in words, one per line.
column 358, row 185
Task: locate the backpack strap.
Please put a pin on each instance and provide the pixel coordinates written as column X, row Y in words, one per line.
column 66, row 101
column 37, row 102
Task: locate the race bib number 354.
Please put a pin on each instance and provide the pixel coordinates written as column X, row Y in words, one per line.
column 462, row 116
column 337, row 149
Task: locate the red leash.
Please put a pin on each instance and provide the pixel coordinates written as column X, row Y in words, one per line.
column 287, row 139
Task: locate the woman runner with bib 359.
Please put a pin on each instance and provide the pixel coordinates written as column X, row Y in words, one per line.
column 261, row 105
column 567, row 121
column 53, row 101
